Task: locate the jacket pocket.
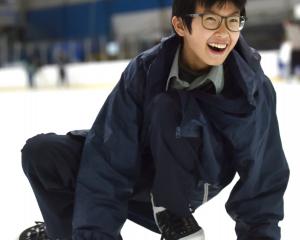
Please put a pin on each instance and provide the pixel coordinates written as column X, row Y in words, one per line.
column 190, row 131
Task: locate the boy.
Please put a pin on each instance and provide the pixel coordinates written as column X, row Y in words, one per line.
column 184, row 118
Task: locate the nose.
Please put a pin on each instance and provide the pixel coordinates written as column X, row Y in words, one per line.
column 223, row 28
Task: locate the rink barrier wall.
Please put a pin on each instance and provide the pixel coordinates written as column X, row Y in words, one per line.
column 95, row 74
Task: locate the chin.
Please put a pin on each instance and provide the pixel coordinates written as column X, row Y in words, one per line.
column 216, row 63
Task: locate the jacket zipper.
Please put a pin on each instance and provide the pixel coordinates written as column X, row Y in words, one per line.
column 206, row 191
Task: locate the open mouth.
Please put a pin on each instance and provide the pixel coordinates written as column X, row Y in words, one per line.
column 217, row 47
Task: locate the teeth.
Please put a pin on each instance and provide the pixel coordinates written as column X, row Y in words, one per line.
column 216, row 45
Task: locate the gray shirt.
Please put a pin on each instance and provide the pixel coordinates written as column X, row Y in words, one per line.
column 183, row 81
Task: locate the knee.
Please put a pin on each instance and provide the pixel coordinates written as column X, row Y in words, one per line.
column 34, row 152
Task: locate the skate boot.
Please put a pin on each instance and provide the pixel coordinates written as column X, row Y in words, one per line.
column 36, row 232
column 173, row 227
column 178, row 228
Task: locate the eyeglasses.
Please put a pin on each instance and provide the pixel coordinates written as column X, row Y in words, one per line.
column 213, row 21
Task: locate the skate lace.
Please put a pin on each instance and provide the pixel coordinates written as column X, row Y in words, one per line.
column 174, row 227
column 37, row 232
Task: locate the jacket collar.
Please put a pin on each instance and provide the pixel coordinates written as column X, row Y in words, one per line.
column 243, row 63
column 159, row 69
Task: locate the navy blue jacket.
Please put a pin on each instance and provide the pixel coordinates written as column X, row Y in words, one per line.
column 240, row 135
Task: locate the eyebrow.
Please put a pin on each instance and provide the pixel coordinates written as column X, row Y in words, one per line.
column 210, row 11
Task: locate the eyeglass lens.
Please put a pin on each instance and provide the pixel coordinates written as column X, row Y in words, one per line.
column 212, row 21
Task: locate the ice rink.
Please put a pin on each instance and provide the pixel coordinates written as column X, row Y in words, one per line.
column 25, row 113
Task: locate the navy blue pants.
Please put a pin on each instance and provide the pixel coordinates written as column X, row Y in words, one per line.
column 51, row 164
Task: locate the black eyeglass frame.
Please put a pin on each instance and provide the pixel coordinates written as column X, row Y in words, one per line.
column 243, row 19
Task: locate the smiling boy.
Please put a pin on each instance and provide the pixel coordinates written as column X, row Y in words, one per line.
column 185, row 117
column 211, row 35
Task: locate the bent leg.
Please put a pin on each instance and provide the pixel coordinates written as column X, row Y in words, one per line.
column 51, row 163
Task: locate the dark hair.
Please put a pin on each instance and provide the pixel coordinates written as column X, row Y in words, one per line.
column 181, row 8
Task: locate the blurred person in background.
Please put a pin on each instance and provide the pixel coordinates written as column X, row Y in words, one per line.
column 185, row 117
column 62, row 59
column 32, row 65
column 284, row 58
column 292, row 28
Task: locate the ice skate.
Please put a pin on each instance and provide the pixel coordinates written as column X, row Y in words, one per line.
column 36, row 232
column 173, row 227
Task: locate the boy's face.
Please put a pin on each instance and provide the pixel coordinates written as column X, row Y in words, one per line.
column 197, row 53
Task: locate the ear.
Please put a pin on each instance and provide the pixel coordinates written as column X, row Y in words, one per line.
column 178, row 26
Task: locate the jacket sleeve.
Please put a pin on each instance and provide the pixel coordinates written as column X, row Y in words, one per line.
column 110, row 161
column 256, row 201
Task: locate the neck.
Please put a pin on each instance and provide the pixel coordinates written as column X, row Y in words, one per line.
column 188, row 59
